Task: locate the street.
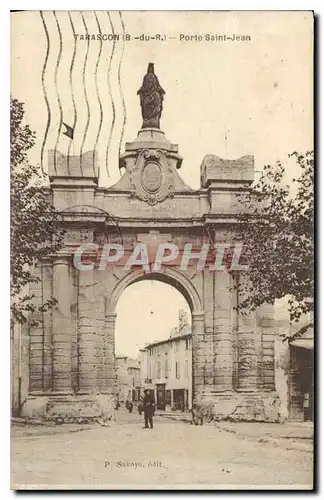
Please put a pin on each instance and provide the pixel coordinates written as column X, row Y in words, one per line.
column 173, row 454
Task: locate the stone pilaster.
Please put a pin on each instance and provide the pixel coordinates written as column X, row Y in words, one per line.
column 208, row 290
column 266, row 320
column 234, row 322
column 36, row 337
column 109, row 350
column 87, row 333
column 61, row 326
column 47, row 283
column 247, row 348
column 198, row 355
column 223, row 352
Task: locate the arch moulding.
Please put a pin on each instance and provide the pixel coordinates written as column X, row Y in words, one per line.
column 170, row 276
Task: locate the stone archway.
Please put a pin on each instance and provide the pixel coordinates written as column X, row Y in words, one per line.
column 71, row 362
column 167, row 275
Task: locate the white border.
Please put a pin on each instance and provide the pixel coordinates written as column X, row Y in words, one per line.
column 317, row 6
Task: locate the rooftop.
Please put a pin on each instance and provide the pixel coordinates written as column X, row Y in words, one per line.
column 166, row 341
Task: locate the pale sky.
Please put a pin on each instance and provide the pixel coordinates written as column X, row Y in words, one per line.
column 146, row 312
column 258, row 93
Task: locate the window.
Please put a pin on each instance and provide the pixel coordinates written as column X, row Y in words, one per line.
column 158, row 369
column 166, row 368
column 177, row 366
column 187, row 343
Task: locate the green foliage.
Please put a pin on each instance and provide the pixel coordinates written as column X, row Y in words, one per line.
column 278, row 238
column 35, row 229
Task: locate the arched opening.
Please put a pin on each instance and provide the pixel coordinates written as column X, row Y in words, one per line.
column 154, row 338
column 168, row 275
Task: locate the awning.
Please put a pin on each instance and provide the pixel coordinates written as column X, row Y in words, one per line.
column 305, row 343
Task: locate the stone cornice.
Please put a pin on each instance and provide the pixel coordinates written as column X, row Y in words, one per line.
column 198, row 316
column 167, row 341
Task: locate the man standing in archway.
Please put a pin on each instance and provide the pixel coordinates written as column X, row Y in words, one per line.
column 148, row 405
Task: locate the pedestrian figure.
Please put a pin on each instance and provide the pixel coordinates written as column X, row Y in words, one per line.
column 130, row 407
column 140, row 408
column 148, row 406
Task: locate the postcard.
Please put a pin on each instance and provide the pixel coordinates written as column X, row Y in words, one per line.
column 162, row 220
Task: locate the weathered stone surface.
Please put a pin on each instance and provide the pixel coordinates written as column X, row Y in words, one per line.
column 72, row 355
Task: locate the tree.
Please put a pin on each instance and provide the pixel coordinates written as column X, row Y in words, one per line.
column 277, row 232
column 35, row 231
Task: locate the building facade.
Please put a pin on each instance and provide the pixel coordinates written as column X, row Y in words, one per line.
column 294, row 369
column 166, row 368
column 19, row 348
column 301, row 375
column 128, row 378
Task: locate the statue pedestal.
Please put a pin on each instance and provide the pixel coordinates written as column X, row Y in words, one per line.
column 70, row 408
column 151, row 163
column 151, row 138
